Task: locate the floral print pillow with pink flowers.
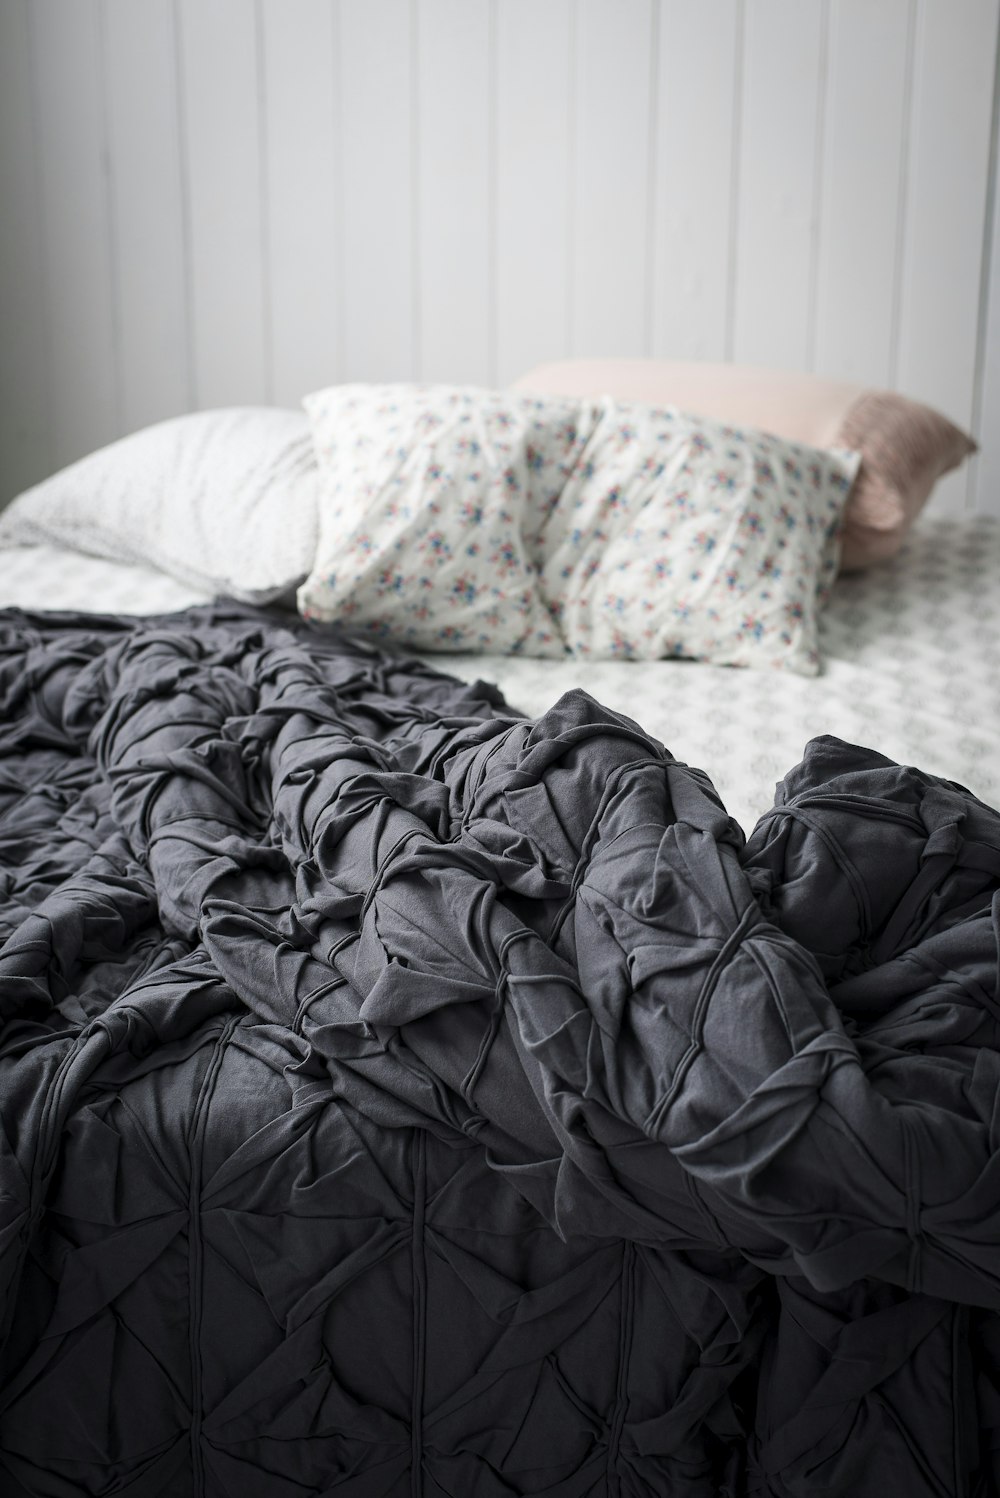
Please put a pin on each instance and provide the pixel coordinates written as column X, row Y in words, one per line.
column 461, row 519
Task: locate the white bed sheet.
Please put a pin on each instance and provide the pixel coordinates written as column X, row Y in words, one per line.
column 52, row 577
column 911, row 651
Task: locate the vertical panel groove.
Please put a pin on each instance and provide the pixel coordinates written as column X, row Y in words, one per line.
column 415, row 218
column 380, row 258
column 985, row 288
column 651, row 169
column 533, row 111
column 573, row 102
column 266, row 286
column 612, row 177
column 48, row 336
column 953, row 77
column 694, row 145
column 822, row 89
column 110, row 216
column 75, row 246
column 862, row 152
column 491, row 199
column 337, row 64
column 147, row 204
column 183, row 150
column 901, row 200
column 223, row 121
column 455, row 210
column 734, row 177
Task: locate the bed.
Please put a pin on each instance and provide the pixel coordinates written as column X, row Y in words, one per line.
column 478, row 1075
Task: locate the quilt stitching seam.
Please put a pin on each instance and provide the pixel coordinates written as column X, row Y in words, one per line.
column 625, row 1329
column 195, row 1250
column 419, row 1264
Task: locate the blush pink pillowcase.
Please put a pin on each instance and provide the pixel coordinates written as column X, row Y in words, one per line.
column 905, row 446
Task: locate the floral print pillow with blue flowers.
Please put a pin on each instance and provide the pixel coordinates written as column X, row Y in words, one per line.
column 461, row 519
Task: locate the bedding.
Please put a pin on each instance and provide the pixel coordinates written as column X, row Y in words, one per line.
column 905, row 446
column 47, row 576
column 223, row 501
column 911, row 654
column 454, row 518
column 401, row 1095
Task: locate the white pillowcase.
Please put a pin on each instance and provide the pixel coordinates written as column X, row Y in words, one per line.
column 226, row 501
column 464, row 519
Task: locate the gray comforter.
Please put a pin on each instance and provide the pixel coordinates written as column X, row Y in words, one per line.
column 401, row 1096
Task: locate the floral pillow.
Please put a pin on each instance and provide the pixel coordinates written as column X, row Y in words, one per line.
column 680, row 536
column 430, row 495
column 465, row 519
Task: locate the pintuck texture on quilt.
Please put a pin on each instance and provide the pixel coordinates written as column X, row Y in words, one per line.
column 460, row 519
column 399, row 1096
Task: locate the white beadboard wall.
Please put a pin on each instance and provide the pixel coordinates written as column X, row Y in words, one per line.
column 212, row 202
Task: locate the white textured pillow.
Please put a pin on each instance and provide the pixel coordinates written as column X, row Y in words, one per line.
column 223, row 500
column 463, row 519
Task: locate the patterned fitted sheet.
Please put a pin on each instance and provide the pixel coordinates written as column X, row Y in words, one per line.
column 911, row 666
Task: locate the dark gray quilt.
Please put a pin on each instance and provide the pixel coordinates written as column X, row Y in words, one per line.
column 399, row 1096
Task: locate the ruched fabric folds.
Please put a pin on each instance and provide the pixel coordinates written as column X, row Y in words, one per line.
column 399, row 1096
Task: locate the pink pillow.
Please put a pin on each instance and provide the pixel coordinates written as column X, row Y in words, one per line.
column 905, row 447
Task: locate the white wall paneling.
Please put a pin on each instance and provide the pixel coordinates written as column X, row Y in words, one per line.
column 695, row 151
column 148, row 221
column 25, row 436
column 986, row 414
column 378, row 120
column 81, row 329
column 455, row 123
column 943, row 237
column 613, row 134
column 865, row 125
column 212, row 202
column 302, row 173
column 780, row 134
column 223, row 132
column 535, row 55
